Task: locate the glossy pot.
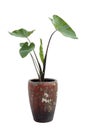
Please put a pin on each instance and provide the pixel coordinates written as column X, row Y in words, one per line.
column 42, row 97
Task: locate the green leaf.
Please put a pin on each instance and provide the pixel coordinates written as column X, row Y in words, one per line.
column 41, row 54
column 26, row 49
column 63, row 27
column 21, row 33
column 21, row 44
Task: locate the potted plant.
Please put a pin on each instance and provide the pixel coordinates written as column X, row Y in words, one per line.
column 42, row 91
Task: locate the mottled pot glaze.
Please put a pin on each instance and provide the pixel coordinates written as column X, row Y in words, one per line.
column 43, row 96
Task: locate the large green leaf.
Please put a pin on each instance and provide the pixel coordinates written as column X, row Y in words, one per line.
column 63, row 27
column 21, row 33
column 26, row 49
column 41, row 51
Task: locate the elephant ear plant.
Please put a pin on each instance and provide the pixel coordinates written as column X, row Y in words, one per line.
column 28, row 47
column 42, row 91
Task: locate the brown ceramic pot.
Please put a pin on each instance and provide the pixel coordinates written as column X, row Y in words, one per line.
column 42, row 96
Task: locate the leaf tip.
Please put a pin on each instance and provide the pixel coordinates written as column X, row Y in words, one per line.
column 51, row 19
column 10, row 33
column 76, row 37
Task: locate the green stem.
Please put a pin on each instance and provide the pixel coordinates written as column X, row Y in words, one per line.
column 28, row 40
column 45, row 59
column 39, row 66
column 40, row 69
column 35, row 65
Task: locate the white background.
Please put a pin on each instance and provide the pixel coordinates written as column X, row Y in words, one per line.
column 67, row 62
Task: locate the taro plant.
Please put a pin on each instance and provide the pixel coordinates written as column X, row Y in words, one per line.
column 28, row 47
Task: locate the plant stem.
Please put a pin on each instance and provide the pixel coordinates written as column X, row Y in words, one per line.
column 28, row 39
column 40, row 69
column 39, row 66
column 45, row 59
column 35, row 65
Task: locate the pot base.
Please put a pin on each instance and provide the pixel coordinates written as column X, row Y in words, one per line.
column 43, row 117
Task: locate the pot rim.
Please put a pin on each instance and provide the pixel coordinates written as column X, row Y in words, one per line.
column 46, row 80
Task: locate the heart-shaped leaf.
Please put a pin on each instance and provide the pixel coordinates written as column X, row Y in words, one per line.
column 41, row 54
column 63, row 27
column 21, row 33
column 26, row 49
